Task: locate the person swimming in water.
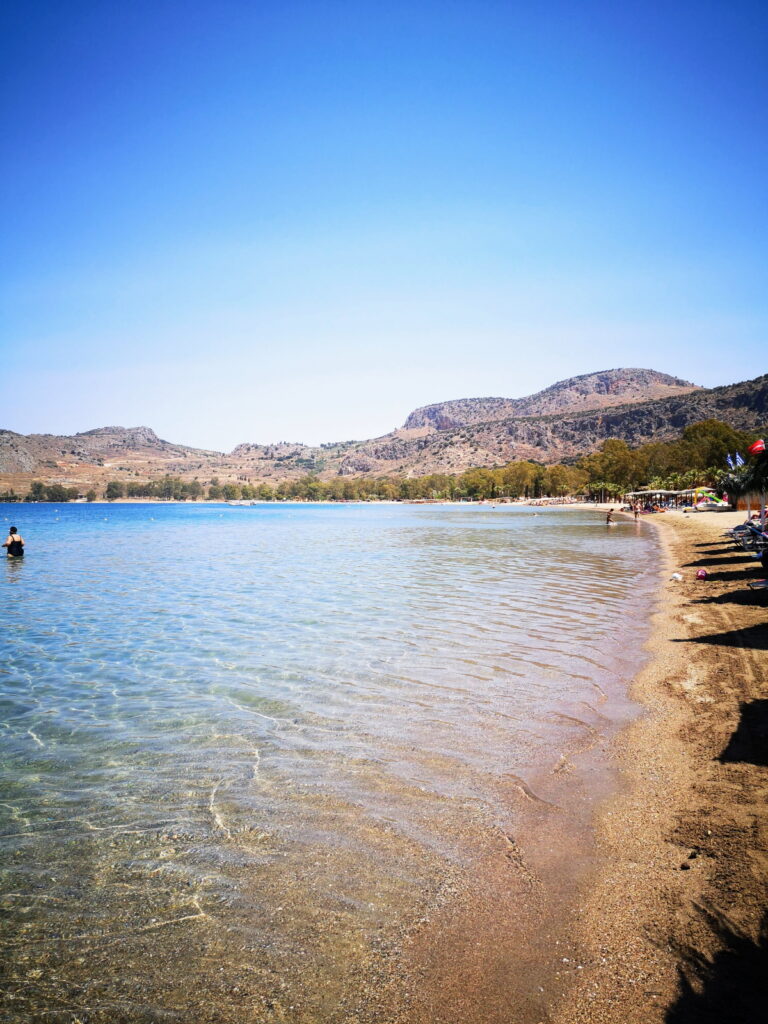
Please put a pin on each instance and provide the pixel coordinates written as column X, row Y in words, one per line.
column 14, row 543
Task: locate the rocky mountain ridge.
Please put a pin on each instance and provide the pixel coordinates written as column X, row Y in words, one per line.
column 92, row 457
column 565, row 436
column 138, row 448
column 588, row 391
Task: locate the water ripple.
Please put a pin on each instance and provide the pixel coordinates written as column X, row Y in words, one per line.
column 188, row 718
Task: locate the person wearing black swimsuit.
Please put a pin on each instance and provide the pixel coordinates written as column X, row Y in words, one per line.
column 14, row 543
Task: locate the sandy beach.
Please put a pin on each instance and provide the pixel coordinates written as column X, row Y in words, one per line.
column 673, row 928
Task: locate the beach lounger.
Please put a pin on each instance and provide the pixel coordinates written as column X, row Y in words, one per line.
column 754, row 539
column 738, row 533
column 736, row 530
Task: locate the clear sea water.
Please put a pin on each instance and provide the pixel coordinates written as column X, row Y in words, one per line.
column 243, row 747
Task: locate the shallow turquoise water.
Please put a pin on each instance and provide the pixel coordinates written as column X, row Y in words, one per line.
column 209, row 712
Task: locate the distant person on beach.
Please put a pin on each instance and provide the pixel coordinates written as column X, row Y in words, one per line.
column 14, row 543
column 609, row 518
column 636, row 510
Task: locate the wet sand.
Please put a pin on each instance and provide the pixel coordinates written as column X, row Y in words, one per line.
column 673, row 928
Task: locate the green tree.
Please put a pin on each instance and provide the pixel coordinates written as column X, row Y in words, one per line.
column 517, row 479
column 387, row 489
column 313, row 489
column 409, row 489
column 707, row 443
column 479, row 483
column 557, row 481
column 619, row 463
column 114, row 490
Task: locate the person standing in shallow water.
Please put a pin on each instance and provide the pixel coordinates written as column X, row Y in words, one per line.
column 14, row 543
column 609, row 518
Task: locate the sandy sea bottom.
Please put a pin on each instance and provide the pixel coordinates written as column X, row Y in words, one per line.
column 291, row 763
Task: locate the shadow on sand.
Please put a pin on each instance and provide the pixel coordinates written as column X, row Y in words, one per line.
column 740, row 575
column 749, row 741
column 729, row 988
column 733, row 559
column 751, row 636
column 717, row 549
column 747, row 598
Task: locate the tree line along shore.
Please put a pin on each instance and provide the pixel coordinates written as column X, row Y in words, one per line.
column 697, row 458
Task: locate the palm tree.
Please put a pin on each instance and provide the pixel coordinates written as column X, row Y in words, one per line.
column 734, row 484
column 604, row 487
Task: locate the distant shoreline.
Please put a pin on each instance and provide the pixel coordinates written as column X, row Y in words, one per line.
column 523, row 503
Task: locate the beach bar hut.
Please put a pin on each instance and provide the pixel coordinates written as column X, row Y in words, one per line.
column 656, row 495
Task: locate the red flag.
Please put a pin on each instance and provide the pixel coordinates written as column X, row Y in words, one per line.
column 757, row 447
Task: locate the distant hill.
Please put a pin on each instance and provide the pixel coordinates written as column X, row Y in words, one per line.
column 104, row 453
column 590, row 391
column 563, row 422
column 555, row 437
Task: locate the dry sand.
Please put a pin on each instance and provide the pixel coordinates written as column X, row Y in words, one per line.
column 674, row 927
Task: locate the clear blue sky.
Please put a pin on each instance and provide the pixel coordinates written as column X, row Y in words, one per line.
column 236, row 220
